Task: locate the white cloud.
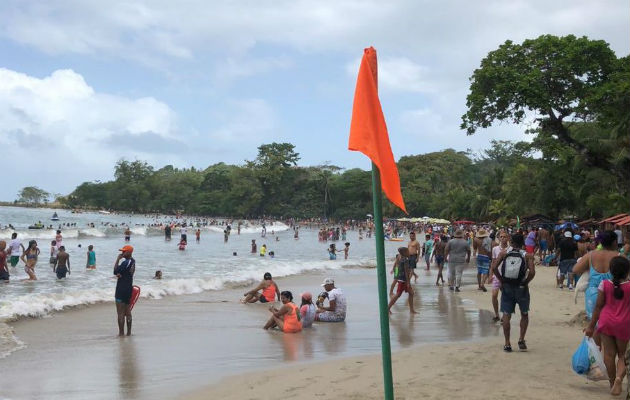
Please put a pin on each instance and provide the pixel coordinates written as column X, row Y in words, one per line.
column 398, row 74
column 59, row 124
column 233, row 68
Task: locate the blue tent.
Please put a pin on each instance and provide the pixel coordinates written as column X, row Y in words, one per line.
column 567, row 225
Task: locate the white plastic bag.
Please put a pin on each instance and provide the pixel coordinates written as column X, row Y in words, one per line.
column 597, row 371
column 581, row 284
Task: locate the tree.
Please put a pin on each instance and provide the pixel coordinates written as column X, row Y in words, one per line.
column 33, row 195
column 558, row 79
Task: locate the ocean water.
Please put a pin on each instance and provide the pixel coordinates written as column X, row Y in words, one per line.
column 205, row 265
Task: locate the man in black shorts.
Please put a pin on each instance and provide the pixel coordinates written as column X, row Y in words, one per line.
column 414, row 254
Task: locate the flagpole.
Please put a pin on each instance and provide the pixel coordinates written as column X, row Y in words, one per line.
column 382, row 283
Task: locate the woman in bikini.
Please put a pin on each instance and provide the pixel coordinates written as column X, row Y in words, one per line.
column 29, row 257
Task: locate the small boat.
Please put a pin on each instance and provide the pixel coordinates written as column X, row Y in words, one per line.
column 103, row 212
column 55, row 217
column 36, row 226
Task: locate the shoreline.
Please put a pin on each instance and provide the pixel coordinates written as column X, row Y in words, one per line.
column 458, row 370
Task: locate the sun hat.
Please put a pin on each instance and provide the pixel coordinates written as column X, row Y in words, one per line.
column 482, row 233
column 328, row 281
column 459, row 234
column 568, row 234
column 307, row 296
column 127, row 248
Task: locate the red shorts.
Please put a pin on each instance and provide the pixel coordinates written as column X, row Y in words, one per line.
column 402, row 287
column 530, row 249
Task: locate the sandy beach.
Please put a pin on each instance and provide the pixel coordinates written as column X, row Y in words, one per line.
column 464, row 370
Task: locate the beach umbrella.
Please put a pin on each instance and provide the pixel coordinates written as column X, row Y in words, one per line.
column 368, row 134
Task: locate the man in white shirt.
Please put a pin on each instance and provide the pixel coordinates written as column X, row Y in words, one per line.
column 336, row 310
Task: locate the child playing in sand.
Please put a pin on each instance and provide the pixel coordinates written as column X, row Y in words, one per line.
column 402, row 278
column 91, row 258
column 612, row 318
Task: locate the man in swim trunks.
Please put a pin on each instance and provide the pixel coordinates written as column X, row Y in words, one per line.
column 482, row 245
column 269, row 291
column 4, row 269
column 16, row 248
column 124, row 269
column 543, row 241
column 127, row 234
column 403, row 273
column 63, row 263
column 414, row 254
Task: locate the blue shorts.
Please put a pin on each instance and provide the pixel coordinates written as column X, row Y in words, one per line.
column 566, row 266
column 512, row 295
column 483, row 264
column 543, row 245
column 439, row 260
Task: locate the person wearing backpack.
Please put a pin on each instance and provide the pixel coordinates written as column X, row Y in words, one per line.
column 516, row 269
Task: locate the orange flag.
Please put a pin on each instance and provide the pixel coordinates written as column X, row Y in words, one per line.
column 368, row 131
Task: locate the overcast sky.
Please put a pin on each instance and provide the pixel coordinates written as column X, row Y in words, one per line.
column 195, row 82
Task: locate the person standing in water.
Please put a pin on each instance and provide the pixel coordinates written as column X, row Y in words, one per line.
column 127, row 234
column 63, row 263
column 124, row 269
column 414, row 254
column 4, row 269
column 254, row 246
column 91, row 258
column 403, row 275
column 29, row 257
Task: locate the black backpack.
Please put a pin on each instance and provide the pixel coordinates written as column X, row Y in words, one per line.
column 514, row 268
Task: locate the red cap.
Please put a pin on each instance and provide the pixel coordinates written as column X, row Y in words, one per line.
column 127, row 248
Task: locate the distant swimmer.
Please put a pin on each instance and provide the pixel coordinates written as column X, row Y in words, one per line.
column 4, row 269
column 332, row 252
column 167, row 232
column 269, row 291
column 29, row 257
column 58, row 238
column 198, row 235
column 124, row 269
column 54, row 250
column 254, row 246
column 182, row 245
column 127, row 234
column 346, row 249
column 263, row 250
column 183, row 233
column 287, row 318
column 91, row 258
column 158, row 275
column 63, row 263
column 226, row 236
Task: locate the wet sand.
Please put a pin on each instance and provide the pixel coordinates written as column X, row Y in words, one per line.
column 466, row 370
column 183, row 343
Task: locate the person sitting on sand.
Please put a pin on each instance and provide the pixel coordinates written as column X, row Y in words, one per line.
column 287, row 318
column 307, row 310
column 269, row 291
column 403, row 275
column 336, row 310
column 612, row 319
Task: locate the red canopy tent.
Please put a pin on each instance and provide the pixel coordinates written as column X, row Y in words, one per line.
column 464, row 222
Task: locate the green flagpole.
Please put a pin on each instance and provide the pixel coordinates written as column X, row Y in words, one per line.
column 382, row 283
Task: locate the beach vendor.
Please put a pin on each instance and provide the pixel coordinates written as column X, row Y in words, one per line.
column 286, row 318
column 269, row 291
column 336, row 310
column 124, row 268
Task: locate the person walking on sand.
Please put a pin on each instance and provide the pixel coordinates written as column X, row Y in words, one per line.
column 269, row 290
column 482, row 245
column 457, row 252
column 567, row 252
column 414, row 254
column 427, row 249
column 438, row 253
column 515, row 271
column 611, row 317
column 498, row 252
column 124, row 269
column 29, row 258
column 63, row 263
column 286, row 318
column 336, row 310
column 597, row 262
column 403, row 274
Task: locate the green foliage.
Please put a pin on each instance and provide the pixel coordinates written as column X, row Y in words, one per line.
column 33, row 195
